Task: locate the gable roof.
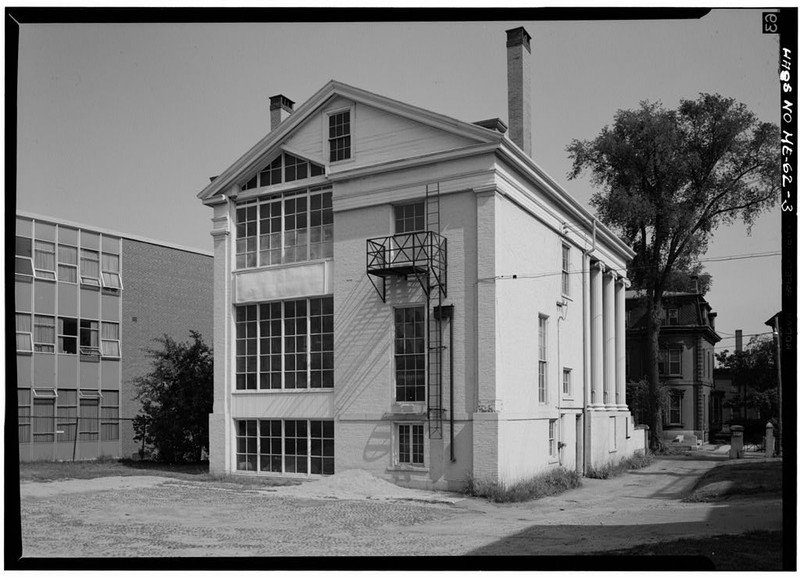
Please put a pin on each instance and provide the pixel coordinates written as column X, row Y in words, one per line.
column 331, row 90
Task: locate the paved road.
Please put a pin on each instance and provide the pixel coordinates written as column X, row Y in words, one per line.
column 157, row 517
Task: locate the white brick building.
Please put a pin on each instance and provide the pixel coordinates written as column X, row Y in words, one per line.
column 402, row 292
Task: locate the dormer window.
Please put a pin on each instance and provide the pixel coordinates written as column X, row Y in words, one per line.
column 339, row 136
column 284, row 168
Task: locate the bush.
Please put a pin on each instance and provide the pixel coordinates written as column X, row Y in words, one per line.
column 637, row 461
column 556, row 481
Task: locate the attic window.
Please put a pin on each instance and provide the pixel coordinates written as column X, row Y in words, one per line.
column 283, row 169
column 339, row 136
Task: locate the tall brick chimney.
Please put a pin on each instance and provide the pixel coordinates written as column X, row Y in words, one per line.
column 280, row 107
column 518, row 50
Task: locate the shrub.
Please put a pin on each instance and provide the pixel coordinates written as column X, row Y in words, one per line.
column 637, row 461
column 552, row 483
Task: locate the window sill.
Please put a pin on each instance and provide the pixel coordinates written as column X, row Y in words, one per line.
column 612, row 450
column 25, row 352
column 567, row 297
column 409, row 468
column 282, row 391
column 23, row 277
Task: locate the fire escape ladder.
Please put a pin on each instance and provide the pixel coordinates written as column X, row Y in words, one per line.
column 435, row 290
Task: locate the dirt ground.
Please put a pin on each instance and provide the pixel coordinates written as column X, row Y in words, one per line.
column 355, row 514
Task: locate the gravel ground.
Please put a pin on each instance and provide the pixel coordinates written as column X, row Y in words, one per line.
column 355, row 514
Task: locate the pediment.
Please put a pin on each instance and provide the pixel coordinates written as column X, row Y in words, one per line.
column 383, row 130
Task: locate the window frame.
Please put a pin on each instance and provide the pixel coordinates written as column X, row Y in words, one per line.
column 87, row 279
column 44, row 273
column 666, row 362
column 256, row 331
column 62, row 265
column 415, row 440
column 264, row 177
column 566, row 382
column 112, row 273
column 329, row 115
column 61, row 335
column 542, row 394
column 323, row 442
column 552, row 432
column 402, row 219
column 40, row 345
column 565, row 266
column 675, row 396
column 26, row 335
column 406, row 356
column 255, row 247
column 672, row 320
column 21, row 257
column 93, row 334
column 103, row 341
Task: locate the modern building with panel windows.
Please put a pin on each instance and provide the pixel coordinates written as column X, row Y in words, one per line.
column 88, row 302
column 405, row 293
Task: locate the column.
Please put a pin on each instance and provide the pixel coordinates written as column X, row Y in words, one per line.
column 620, row 320
column 609, row 341
column 587, row 331
column 596, row 283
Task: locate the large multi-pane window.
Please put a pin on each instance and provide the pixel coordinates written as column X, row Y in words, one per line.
column 67, row 263
column 67, row 414
column 411, row 444
column 283, row 169
column 109, row 416
column 293, row 227
column 565, row 270
column 552, row 430
column 89, row 429
column 285, row 446
column 285, row 345
column 339, row 136
column 542, row 358
column 409, row 218
column 24, row 335
column 409, row 354
column 44, row 401
column 44, row 333
column 44, row 259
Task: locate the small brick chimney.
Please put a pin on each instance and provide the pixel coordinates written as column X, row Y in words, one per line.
column 280, row 107
column 518, row 51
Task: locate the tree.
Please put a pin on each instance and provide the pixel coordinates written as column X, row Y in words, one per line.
column 176, row 397
column 754, row 369
column 667, row 179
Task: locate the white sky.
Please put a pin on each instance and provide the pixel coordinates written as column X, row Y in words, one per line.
column 121, row 125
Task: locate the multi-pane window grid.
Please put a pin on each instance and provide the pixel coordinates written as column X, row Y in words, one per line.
column 284, row 168
column 339, row 136
column 409, row 349
column 24, row 334
column 44, row 259
column 669, row 361
column 542, row 359
column 285, row 345
column 90, row 267
column 283, row 229
column 565, row 270
column 411, row 444
column 285, row 446
column 409, row 218
column 675, row 408
column 23, row 254
column 551, row 437
column 44, row 333
column 567, row 382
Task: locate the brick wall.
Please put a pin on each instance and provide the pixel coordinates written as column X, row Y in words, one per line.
column 167, row 291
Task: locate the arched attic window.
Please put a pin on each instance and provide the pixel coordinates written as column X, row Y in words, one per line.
column 285, row 168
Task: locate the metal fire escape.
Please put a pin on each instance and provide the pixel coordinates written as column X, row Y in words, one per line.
column 421, row 254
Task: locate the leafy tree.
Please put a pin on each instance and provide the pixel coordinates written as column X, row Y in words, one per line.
column 176, row 397
column 667, row 179
column 754, row 369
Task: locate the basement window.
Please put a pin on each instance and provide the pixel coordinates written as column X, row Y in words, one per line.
column 411, row 444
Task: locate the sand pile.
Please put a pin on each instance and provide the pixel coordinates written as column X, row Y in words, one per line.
column 360, row 484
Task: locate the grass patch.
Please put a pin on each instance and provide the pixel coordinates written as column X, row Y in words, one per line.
column 552, row 483
column 756, row 550
column 45, row 471
column 734, row 479
column 637, row 461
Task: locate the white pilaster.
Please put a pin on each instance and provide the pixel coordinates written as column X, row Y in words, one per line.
column 596, row 282
column 609, row 341
column 620, row 346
